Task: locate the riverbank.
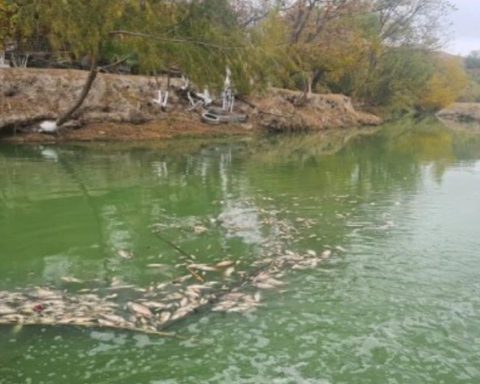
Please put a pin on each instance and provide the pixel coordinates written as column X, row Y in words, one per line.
column 156, row 130
column 121, row 107
column 461, row 113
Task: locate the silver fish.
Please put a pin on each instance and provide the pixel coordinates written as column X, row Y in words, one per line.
column 139, row 309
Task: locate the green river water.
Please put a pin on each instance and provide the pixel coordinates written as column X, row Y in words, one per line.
column 401, row 304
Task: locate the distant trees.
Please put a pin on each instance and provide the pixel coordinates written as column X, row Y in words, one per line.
column 473, row 60
column 472, row 92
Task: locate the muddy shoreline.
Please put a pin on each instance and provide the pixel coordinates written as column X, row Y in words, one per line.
column 122, row 108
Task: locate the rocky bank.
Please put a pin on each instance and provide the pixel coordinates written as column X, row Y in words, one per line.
column 121, row 107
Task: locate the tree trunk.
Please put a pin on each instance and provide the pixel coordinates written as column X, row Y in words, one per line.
column 86, row 89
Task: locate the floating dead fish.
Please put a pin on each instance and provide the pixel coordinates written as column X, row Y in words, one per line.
column 124, row 254
column 165, row 316
column 106, row 323
column 173, row 296
column 340, row 249
column 139, row 309
column 113, row 318
column 154, row 305
column 311, row 253
column 71, row 279
column 229, row 271
column 203, row 267
column 326, row 254
column 182, row 279
column 6, row 310
column 262, row 285
column 224, row 264
column 200, row 229
column 42, row 293
column 157, row 266
column 197, row 287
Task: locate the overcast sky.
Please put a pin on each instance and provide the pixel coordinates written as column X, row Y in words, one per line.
column 465, row 27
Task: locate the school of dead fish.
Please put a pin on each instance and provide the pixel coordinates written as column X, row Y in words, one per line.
column 220, row 287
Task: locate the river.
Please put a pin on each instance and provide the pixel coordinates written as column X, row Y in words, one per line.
column 398, row 301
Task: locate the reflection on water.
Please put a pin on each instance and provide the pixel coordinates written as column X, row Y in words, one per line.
column 399, row 304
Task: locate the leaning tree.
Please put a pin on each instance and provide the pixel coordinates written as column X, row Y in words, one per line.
column 199, row 38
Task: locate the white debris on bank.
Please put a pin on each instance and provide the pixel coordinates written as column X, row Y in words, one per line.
column 48, row 126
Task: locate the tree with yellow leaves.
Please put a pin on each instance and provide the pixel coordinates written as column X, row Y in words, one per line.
column 446, row 84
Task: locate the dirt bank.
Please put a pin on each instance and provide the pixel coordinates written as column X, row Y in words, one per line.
column 461, row 112
column 120, row 107
column 282, row 110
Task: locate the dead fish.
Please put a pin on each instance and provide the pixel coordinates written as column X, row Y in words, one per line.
column 202, row 267
column 124, row 254
column 157, row 265
column 139, row 309
column 165, row 316
column 120, row 287
column 113, row 318
column 229, row 271
column 326, row 254
column 224, row 264
column 43, row 293
column 6, row 310
column 174, row 296
column 200, row 229
column 182, row 312
column 12, row 318
column 340, row 249
column 106, row 323
column 71, row 279
column 184, row 302
column 311, row 253
column 197, row 287
column 182, row 279
column 257, row 297
column 263, row 285
column 233, row 296
column 155, row 305
column 224, row 305
column 192, row 295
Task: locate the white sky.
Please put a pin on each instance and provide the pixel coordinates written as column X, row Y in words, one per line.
column 465, row 27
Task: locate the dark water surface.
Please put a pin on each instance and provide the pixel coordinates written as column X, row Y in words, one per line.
column 400, row 305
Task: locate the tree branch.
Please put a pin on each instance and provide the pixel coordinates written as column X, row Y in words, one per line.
column 175, row 40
